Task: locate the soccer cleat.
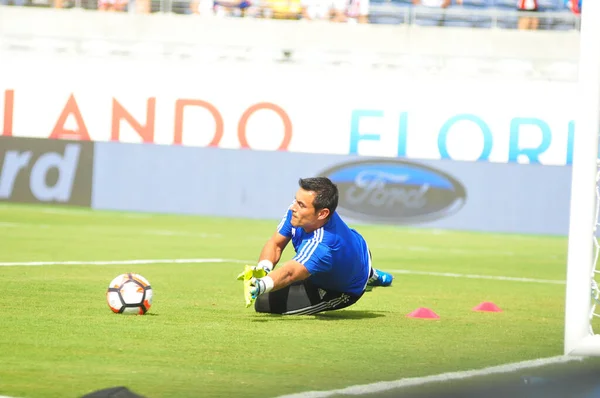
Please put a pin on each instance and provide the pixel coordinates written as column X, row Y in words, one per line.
column 380, row 278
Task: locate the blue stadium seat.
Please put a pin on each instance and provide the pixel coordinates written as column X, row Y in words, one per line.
column 429, row 16
column 396, row 12
column 504, row 4
column 460, row 22
column 550, row 5
column 506, row 22
column 562, row 25
column 389, row 13
column 470, row 16
column 477, row 3
column 568, row 21
column 429, row 20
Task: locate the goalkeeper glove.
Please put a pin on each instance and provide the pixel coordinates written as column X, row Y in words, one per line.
column 258, row 271
column 253, row 272
column 260, row 286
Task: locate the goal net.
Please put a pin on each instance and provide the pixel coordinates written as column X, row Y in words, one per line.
column 582, row 293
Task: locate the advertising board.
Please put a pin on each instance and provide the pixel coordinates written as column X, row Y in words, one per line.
column 349, row 111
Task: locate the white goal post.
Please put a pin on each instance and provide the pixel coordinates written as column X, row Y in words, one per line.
column 583, row 249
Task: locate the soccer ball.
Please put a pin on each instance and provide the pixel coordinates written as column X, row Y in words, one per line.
column 129, row 294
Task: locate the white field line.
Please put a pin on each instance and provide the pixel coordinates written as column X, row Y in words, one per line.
column 425, row 231
column 426, row 249
column 157, row 232
column 136, row 215
column 358, row 389
column 125, row 262
column 470, row 276
column 11, row 225
column 79, row 212
column 65, row 211
column 21, row 225
column 417, row 381
column 170, row 233
column 181, row 233
column 451, row 251
column 89, row 212
column 236, row 261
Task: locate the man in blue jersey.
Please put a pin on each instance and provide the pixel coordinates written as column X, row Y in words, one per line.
column 332, row 266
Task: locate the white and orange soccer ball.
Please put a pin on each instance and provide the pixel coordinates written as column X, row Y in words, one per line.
column 129, row 294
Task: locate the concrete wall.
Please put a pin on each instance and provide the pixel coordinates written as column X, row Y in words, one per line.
column 81, row 25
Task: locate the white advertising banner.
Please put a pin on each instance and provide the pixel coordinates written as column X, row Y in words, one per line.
column 287, row 107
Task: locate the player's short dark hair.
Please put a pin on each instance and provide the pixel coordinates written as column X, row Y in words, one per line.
column 326, row 192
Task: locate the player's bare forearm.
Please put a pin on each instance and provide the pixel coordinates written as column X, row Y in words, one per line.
column 273, row 248
column 290, row 272
column 271, row 252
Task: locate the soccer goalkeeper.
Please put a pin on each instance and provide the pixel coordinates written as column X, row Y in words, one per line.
column 332, row 266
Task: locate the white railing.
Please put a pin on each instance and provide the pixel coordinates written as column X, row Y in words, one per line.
column 480, row 18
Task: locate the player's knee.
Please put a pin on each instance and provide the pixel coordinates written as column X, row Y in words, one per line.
column 262, row 304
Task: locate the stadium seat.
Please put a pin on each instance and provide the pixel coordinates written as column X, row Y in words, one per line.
column 460, row 22
column 470, row 14
column 550, row 5
column 426, row 16
column 477, row 3
column 504, row 4
column 506, row 22
column 567, row 21
column 390, row 13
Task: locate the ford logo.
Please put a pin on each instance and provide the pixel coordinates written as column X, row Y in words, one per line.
column 395, row 191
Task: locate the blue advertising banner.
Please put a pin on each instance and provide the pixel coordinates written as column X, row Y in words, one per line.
column 479, row 196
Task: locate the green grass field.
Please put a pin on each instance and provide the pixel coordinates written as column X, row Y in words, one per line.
column 58, row 338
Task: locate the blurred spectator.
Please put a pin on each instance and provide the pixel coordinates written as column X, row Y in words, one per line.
column 436, row 18
column 434, row 3
column 281, row 9
column 202, row 7
column 574, row 6
column 528, row 22
column 334, row 10
column 337, row 10
column 226, row 8
column 359, row 11
column 112, row 5
column 236, row 8
column 140, row 6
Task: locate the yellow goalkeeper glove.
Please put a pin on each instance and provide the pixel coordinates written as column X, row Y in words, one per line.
column 250, row 274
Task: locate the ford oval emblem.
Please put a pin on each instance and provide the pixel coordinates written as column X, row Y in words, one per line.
column 395, row 191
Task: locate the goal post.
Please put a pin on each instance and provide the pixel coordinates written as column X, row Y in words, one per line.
column 580, row 304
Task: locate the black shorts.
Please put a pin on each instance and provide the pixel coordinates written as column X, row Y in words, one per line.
column 303, row 298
